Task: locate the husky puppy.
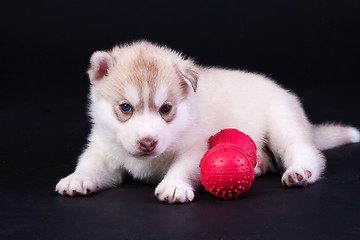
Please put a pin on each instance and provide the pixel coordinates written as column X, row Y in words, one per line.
column 153, row 111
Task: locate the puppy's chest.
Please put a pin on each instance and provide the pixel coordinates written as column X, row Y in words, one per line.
column 149, row 170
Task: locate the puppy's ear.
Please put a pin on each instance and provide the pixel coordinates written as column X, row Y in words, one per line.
column 187, row 71
column 100, row 63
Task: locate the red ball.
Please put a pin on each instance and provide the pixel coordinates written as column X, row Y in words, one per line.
column 227, row 169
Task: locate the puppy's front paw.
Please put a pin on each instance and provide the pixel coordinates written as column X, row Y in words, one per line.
column 77, row 184
column 174, row 192
column 297, row 176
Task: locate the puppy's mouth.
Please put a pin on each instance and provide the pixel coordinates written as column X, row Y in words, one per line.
column 145, row 155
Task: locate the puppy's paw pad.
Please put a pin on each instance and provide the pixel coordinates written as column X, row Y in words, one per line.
column 296, row 176
column 77, row 184
column 174, row 192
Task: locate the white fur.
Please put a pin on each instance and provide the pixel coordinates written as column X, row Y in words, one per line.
column 161, row 95
column 331, row 135
column 131, row 94
column 354, row 135
column 250, row 102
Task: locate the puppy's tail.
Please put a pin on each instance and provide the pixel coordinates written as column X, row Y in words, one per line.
column 326, row 136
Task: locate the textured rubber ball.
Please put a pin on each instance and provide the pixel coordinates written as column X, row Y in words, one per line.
column 227, row 169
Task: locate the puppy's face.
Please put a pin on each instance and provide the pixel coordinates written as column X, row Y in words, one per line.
column 141, row 93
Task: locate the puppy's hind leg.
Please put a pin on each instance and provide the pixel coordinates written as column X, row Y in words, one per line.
column 290, row 140
column 265, row 162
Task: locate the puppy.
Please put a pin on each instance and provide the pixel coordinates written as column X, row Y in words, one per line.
column 152, row 112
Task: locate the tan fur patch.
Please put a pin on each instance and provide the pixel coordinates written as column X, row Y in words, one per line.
column 144, row 70
column 144, row 73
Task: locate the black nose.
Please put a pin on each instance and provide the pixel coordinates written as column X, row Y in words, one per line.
column 147, row 144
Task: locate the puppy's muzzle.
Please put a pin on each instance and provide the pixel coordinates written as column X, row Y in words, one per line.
column 147, row 144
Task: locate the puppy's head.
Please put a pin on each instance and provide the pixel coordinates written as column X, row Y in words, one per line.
column 141, row 96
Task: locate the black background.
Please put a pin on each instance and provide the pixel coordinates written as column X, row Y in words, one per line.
column 311, row 47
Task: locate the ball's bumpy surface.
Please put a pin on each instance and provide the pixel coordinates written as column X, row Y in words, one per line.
column 227, row 169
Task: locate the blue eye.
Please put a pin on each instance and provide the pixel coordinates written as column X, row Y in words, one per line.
column 126, row 108
column 166, row 108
